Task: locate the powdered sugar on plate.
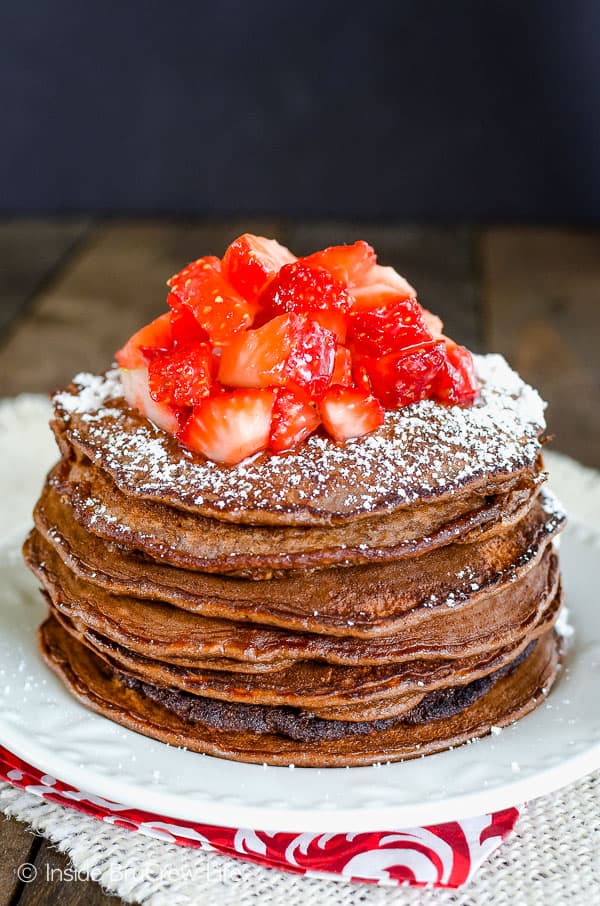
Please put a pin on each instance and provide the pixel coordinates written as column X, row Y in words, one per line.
column 422, row 451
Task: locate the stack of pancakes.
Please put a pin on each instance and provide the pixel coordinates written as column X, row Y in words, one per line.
column 336, row 605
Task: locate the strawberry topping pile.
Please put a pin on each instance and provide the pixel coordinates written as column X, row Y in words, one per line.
column 260, row 349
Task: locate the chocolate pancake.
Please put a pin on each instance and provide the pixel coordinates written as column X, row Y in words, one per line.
column 259, row 552
column 313, row 686
column 163, row 633
column 358, row 602
column 445, row 724
column 309, row 727
column 423, row 452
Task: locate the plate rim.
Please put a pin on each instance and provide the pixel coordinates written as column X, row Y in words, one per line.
column 356, row 820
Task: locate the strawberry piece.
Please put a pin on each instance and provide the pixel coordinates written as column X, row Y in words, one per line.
column 434, row 325
column 312, row 359
column 183, row 376
column 300, row 288
column 137, row 394
column 380, row 286
column 149, row 343
column 389, row 276
column 407, row 376
column 456, row 382
column 295, row 417
column 257, row 357
column 342, row 367
column 184, row 327
column 251, row 261
column 387, row 328
column 217, row 307
column 360, row 376
column 349, row 412
column 375, row 295
column 287, row 350
column 335, row 321
column 182, row 283
column 154, row 336
column 230, row 426
column 348, row 263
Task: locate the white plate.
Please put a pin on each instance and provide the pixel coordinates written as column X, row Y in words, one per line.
column 39, row 721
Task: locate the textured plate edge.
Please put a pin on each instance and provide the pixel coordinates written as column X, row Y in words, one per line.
column 324, row 821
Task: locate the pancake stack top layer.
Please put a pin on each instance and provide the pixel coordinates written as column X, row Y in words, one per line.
column 333, row 605
column 422, row 453
column 299, row 524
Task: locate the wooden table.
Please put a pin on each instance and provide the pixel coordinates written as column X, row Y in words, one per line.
column 72, row 290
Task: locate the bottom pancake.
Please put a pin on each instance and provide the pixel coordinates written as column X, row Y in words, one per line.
column 305, row 727
column 171, row 716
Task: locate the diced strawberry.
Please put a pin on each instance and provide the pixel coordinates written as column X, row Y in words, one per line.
column 434, row 325
column 348, row 412
column 407, row 376
column 387, row 328
column 300, row 288
column 137, row 394
column 182, row 282
column 156, row 335
column 348, row 263
column 380, row 286
column 295, row 417
column 251, row 261
column 335, row 321
column 312, row 358
column 256, row 358
column 184, row 327
column 360, row 376
column 342, row 368
column 182, row 377
column 230, row 426
column 287, row 350
column 376, row 294
column 456, row 382
column 389, row 276
column 217, row 307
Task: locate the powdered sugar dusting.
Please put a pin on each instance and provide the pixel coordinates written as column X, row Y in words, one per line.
column 421, row 451
column 94, row 391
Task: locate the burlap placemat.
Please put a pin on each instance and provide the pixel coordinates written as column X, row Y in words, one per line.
column 552, row 857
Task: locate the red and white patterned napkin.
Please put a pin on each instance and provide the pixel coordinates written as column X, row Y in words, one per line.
column 440, row 855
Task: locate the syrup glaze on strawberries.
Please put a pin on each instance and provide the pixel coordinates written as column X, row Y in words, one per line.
column 260, row 350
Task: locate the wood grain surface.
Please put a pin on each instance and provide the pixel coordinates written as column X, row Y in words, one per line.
column 71, row 291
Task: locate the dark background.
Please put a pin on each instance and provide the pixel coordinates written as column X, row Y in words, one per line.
column 421, row 111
